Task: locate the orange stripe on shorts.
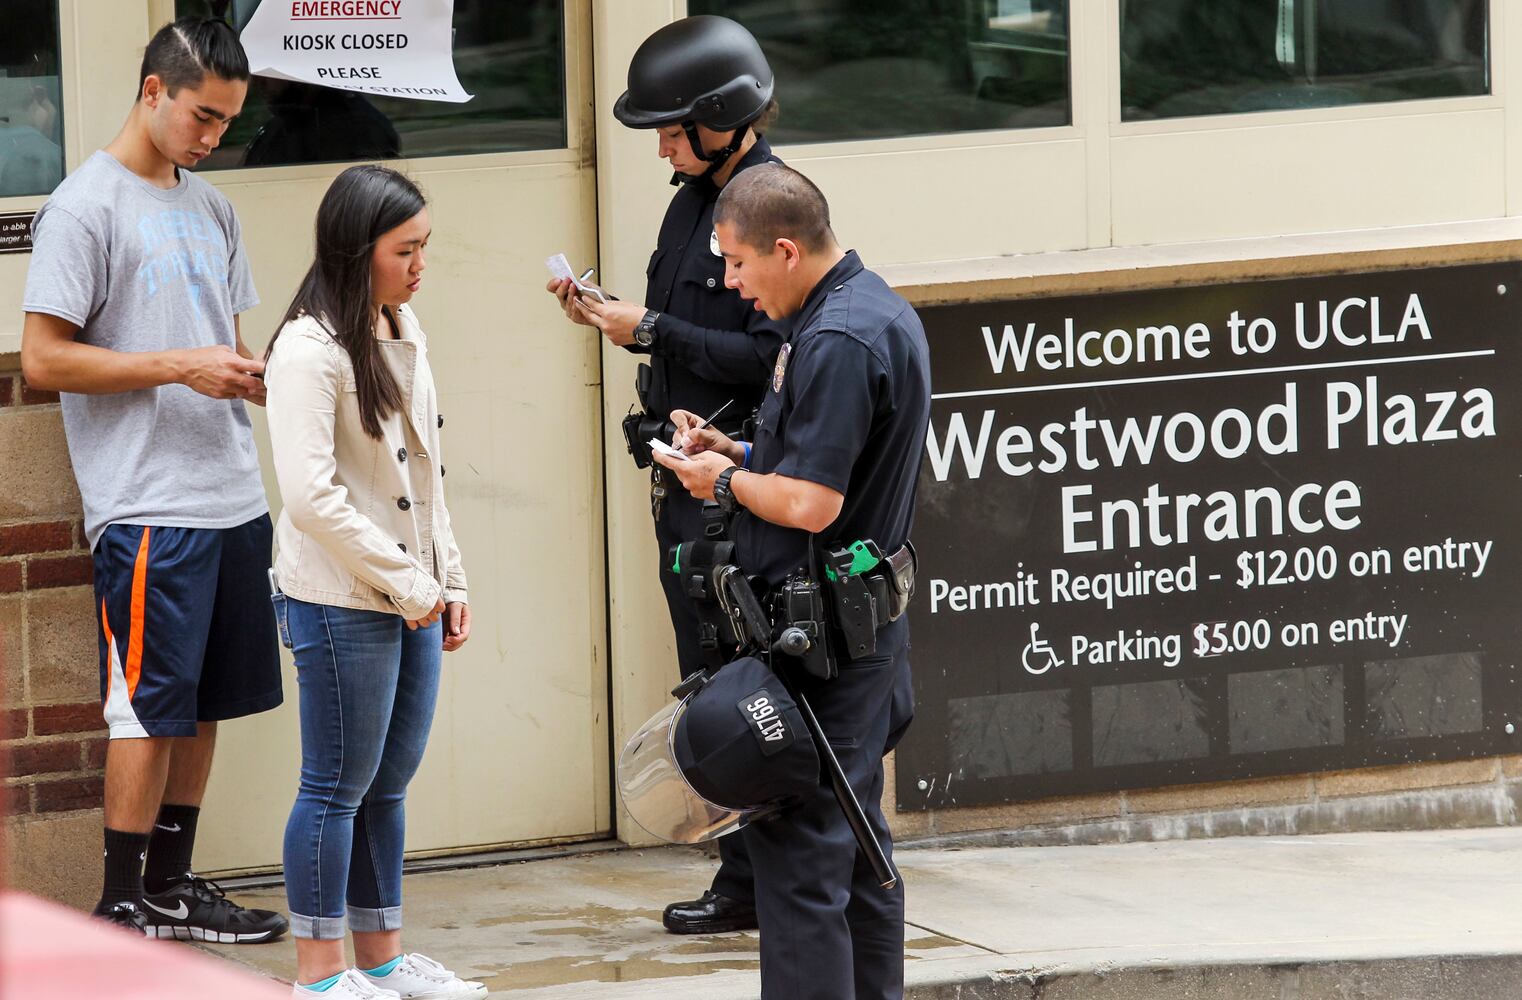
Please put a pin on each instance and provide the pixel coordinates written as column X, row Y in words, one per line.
column 133, row 668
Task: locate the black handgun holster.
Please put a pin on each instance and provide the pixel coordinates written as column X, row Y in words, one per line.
column 639, row 427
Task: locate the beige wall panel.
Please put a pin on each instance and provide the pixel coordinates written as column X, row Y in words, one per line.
column 519, row 744
column 12, row 285
column 632, row 194
column 1095, row 81
column 109, row 36
column 953, row 201
column 1506, row 45
column 1223, row 183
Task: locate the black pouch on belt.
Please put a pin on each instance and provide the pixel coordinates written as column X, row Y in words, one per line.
column 901, row 566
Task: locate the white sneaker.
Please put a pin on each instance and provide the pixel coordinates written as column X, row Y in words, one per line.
column 352, row 985
column 418, row 977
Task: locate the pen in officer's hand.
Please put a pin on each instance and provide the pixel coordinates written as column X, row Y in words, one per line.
column 585, row 276
column 714, row 416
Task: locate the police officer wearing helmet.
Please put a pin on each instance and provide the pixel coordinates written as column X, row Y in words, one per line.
column 703, row 84
column 836, row 456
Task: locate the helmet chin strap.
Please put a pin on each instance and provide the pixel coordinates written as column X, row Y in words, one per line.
column 715, row 160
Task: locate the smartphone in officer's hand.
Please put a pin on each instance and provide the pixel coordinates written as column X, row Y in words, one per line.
column 560, row 268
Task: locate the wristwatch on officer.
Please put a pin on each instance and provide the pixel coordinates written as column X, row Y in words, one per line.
column 644, row 332
column 722, row 494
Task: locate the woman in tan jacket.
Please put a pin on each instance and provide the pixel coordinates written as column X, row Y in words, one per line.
column 370, row 586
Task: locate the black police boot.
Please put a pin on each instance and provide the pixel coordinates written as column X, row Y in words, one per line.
column 710, row 914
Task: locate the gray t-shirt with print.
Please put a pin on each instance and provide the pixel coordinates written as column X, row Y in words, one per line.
column 141, row 268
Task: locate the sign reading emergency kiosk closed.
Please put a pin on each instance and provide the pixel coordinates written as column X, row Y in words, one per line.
column 1211, row 533
column 389, row 48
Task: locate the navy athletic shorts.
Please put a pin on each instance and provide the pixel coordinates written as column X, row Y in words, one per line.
column 187, row 631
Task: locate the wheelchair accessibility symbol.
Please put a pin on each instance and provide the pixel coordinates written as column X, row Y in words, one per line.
column 1038, row 656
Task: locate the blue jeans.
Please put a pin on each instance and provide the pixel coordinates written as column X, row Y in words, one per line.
column 368, row 687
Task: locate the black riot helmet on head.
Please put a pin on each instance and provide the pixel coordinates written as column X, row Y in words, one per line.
column 702, row 70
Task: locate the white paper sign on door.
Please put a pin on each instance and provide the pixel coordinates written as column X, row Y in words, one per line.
column 389, row 48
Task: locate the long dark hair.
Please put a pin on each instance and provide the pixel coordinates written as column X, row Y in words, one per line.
column 363, row 204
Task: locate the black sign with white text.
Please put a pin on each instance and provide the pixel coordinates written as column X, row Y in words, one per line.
column 16, row 232
column 1202, row 534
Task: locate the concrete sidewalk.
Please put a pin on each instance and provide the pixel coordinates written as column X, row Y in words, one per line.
column 1418, row 915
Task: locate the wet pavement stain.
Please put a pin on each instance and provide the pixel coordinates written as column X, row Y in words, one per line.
column 726, row 944
column 559, row 971
column 933, row 941
column 930, row 947
column 605, row 916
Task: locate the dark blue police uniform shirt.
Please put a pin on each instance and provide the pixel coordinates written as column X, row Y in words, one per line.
column 710, row 346
column 847, row 407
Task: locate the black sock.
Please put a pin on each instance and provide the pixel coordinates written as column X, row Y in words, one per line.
column 124, row 867
column 174, row 836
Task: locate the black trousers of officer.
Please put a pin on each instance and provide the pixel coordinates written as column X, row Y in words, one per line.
column 829, row 931
column 681, row 520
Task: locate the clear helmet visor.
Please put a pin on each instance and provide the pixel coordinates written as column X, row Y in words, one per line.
column 660, row 798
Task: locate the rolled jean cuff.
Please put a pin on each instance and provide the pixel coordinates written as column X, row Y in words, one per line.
column 317, row 928
column 363, row 919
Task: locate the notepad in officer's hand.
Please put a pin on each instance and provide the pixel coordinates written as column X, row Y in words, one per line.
column 656, row 444
column 561, row 268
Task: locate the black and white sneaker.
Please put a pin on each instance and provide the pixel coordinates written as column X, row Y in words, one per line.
column 195, row 909
column 125, row 915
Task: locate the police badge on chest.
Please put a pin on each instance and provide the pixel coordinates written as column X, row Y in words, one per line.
column 779, row 372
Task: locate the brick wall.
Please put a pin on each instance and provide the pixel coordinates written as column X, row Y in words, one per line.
column 51, row 729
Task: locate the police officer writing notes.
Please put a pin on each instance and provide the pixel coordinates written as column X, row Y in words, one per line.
column 835, row 461
column 703, row 84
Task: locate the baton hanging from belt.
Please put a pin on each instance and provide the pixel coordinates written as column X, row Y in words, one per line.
column 795, row 642
column 795, row 638
column 844, row 793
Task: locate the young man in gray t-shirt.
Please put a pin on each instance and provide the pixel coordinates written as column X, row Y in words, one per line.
column 132, row 304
